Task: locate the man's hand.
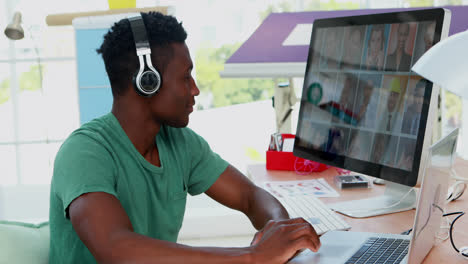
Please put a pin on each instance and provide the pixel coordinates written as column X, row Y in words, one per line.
column 278, row 241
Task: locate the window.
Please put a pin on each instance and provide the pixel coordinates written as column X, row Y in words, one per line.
column 38, row 82
column 38, row 97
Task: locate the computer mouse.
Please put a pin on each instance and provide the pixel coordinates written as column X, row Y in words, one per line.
column 379, row 181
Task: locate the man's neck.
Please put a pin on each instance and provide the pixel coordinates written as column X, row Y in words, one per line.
column 140, row 128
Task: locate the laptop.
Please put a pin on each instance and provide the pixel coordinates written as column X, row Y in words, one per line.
column 354, row 247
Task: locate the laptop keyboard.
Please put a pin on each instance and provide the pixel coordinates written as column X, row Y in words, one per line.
column 381, row 250
column 319, row 215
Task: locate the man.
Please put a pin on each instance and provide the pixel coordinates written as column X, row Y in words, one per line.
column 390, row 120
column 360, row 144
column 376, row 48
column 399, row 60
column 353, row 48
column 366, row 104
column 429, row 36
column 337, row 139
column 384, row 149
column 425, row 40
column 412, row 114
column 378, row 149
column 347, row 96
column 390, row 116
column 406, row 153
column 120, row 182
column 330, row 50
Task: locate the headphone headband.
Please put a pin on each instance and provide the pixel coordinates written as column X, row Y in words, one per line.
column 147, row 80
column 139, row 35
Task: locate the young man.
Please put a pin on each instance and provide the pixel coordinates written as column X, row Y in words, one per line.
column 120, row 182
column 391, row 99
column 399, row 60
column 376, row 48
column 415, row 103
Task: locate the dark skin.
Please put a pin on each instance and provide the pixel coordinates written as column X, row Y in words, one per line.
column 108, row 233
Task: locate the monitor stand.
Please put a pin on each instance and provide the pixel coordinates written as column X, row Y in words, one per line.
column 396, row 198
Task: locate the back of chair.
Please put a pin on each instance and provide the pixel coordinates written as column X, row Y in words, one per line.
column 24, row 243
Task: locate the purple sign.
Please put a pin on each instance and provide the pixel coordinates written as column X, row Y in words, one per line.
column 265, row 44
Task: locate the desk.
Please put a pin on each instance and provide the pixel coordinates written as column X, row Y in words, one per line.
column 396, row 223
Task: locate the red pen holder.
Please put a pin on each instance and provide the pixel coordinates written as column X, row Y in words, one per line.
column 281, row 160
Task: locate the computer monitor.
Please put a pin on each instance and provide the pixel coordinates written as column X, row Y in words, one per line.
column 363, row 109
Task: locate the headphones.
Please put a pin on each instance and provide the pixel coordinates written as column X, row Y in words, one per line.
column 147, row 79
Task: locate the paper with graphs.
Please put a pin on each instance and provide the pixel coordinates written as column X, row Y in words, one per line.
column 317, row 187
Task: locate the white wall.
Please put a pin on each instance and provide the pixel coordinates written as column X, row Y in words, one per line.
column 28, row 203
column 231, row 130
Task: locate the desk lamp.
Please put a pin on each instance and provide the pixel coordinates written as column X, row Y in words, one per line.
column 14, row 30
column 446, row 64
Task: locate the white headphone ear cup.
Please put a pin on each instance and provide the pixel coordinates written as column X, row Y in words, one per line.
column 150, row 82
column 147, row 83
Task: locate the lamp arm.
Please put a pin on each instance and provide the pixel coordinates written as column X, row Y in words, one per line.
column 36, row 50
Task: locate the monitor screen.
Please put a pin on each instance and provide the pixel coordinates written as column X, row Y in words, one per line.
column 362, row 108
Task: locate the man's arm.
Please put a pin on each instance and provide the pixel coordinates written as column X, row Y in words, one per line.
column 104, row 227
column 234, row 190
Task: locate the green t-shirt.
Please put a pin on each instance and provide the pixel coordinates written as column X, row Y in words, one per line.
column 99, row 157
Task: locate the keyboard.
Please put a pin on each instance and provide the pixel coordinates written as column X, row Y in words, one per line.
column 309, row 207
column 381, row 250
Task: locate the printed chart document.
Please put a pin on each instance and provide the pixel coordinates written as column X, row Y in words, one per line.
column 317, row 187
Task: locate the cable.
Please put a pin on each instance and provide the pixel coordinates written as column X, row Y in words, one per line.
column 407, row 232
column 455, row 191
column 464, row 250
column 381, row 208
column 458, row 188
column 447, row 226
column 449, row 235
column 458, row 178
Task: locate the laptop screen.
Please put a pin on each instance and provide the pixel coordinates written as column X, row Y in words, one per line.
column 432, row 196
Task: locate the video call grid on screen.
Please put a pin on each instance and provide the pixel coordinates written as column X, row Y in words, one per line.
column 361, row 103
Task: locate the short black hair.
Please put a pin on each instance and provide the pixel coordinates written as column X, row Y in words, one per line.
column 119, row 53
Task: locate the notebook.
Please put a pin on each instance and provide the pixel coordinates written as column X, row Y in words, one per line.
column 352, row 247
